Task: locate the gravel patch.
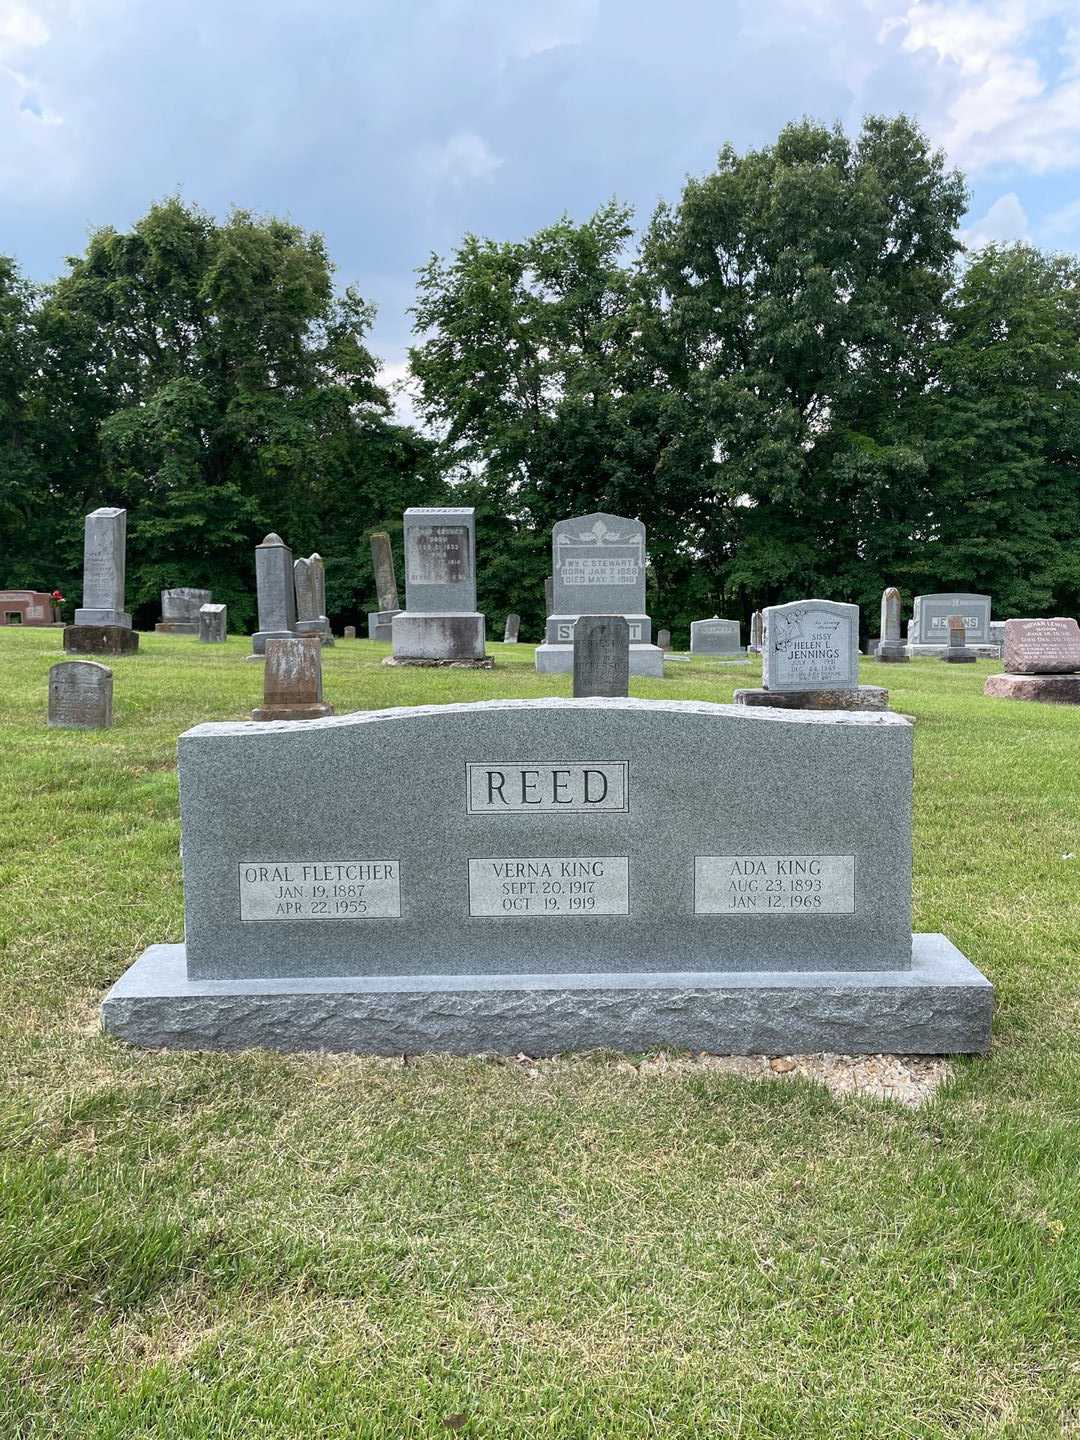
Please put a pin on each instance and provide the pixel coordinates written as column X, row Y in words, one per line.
column 910, row 1079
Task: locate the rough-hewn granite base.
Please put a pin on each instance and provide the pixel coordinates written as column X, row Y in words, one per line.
column 863, row 697
column 100, row 640
column 1050, row 689
column 486, row 663
column 942, row 1005
column 176, row 627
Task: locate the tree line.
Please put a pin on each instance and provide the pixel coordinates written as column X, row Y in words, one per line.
column 793, row 376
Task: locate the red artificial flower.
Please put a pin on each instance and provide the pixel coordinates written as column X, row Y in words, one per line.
column 56, row 595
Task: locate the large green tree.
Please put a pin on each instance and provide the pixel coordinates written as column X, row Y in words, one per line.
column 208, row 377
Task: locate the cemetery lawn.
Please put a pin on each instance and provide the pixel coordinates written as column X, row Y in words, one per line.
column 257, row 1245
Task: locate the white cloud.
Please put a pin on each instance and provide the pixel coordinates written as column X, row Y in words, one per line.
column 1063, row 223
column 996, row 107
column 1006, row 221
column 459, row 159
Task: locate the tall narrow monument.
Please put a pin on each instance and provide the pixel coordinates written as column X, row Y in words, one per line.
column 275, row 586
column 891, row 650
column 440, row 624
column 598, row 563
column 380, row 621
column 102, row 625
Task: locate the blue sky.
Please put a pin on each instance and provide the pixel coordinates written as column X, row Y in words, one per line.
column 396, row 127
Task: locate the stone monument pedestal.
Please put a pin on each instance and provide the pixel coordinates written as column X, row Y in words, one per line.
column 862, row 697
column 559, row 660
column 450, row 638
column 176, row 627
column 1050, row 689
column 891, row 652
column 84, row 639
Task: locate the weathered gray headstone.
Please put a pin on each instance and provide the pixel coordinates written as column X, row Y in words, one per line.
column 929, row 630
column 891, row 648
column 716, row 637
column 80, row 695
column 757, row 632
column 275, row 585
column 213, row 624
column 292, row 680
column 663, row 639
column 599, row 569
column 552, row 875
column 601, row 655
column 957, row 652
column 102, row 625
column 350, row 632
column 549, row 593
column 380, row 622
column 180, row 610
column 512, row 629
column 440, row 623
column 318, row 570
column 104, row 565
column 811, row 645
column 308, row 619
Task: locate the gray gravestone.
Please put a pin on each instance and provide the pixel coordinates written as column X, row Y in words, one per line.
column 757, row 632
column 308, row 619
column 380, row 622
column 716, row 637
column 811, row 645
column 318, row 570
column 663, row 639
column 890, row 649
column 180, row 610
column 292, row 680
column 213, row 624
column 512, row 630
column 440, row 623
column 601, row 656
column 957, row 652
column 80, row 695
column 929, row 630
column 275, row 585
column 599, row 569
column 102, row 625
column 350, row 632
column 552, row 875
column 549, row 593
column 104, row 562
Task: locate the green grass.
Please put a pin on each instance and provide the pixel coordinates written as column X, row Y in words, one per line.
column 257, row 1245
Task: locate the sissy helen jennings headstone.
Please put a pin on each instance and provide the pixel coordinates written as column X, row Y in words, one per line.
column 811, row 660
column 552, row 875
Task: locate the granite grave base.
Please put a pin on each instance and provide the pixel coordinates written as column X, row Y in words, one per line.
column 937, row 652
column 177, row 627
column 486, row 662
column 941, row 1005
column 100, row 640
column 863, row 697
column 1050, row 689
column 559, row 660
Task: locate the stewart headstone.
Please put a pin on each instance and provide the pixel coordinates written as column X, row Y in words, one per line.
column 80, row 695
column 599, row 569
column 548, row 876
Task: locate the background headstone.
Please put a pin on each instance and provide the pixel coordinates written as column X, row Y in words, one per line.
column 716, row 637
column 549, row 594
column 891, row 648
column 757, row 631
column 213, row 624
column 292, row 680
column 350, row 632
column 1042, row 647
column 80, row 695
column 512, row 630
column 104, row 564
column 811, row 645
column 308, row 619
column 275, row 585
column 440, row 623
column 380, row 622
column 601, row 656
column 318, row 571
column 957, row 652
column 928, row 633
column 663, row 639
column 180, row 610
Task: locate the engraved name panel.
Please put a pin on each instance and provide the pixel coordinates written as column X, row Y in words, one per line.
column 578, row 885
column 600, row 570
column 439, row 555
column 547, row 788
column 319, row 889
column 774, row 885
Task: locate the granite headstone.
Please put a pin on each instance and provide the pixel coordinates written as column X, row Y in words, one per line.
column 213, row 624
column 716, row 637
column 275, row 587
column 891, row 649
column 102, row 625
column 180, row 610
column 380, row 622
column 512, row 629
column 811, row 645
column 601, row 655
column 292, row 680
column 440, row 623
column 80, row 695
